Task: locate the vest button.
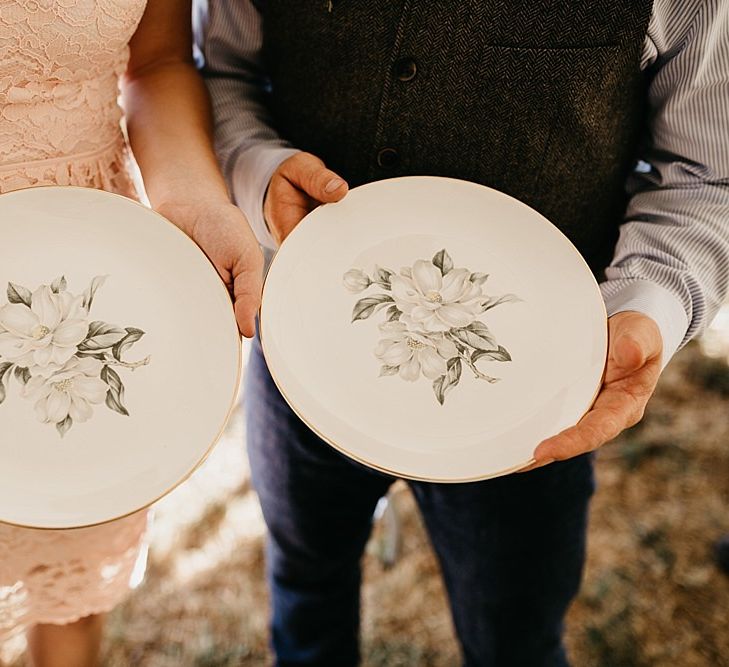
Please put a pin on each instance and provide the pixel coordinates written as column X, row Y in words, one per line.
column 387, row 158
column 405, row 69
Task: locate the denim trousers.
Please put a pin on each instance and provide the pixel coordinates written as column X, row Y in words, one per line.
column 511, row 549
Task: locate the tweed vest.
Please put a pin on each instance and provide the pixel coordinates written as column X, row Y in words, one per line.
column 541, row 99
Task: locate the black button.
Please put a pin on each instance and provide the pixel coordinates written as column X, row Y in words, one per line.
column 406, row 69
column 388, row 158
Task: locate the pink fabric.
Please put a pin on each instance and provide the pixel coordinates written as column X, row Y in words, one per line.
column 60, row 62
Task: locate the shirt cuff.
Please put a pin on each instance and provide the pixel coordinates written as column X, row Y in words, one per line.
column 652, row 300
column 251, row 175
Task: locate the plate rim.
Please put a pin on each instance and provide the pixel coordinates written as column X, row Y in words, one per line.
column 239, row 360
column 348, row 454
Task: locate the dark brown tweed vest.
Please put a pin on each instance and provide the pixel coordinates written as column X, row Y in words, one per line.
column 542, row 99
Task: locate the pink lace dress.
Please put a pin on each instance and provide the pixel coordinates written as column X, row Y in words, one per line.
column 60, row 62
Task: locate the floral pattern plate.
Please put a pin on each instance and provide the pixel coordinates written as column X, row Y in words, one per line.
column 433, row 329
column 119, row 357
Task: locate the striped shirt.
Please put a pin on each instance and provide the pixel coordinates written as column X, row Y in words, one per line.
column 671, row 261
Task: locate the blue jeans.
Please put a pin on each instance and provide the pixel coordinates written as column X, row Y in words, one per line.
column 511, row 549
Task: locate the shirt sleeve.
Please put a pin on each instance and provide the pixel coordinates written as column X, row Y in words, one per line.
column 228, row 39
column 671, row 261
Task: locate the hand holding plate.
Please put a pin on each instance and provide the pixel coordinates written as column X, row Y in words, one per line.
column 633, row 366
column 297, row 187
column 222, row 232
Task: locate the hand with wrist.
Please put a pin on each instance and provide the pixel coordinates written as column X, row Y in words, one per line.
column 633, row 366
column 300, row 184
column 222, row 232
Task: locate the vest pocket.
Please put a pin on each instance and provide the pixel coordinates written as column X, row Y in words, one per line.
column 527, row 97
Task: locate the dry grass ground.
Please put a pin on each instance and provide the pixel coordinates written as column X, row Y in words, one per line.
column 652, row 595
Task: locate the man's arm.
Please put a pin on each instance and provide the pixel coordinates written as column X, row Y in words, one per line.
column 671, row 264
column 672, row 258
column 253, row 156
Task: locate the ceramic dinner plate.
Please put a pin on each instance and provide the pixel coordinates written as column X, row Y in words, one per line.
column 119, row 357
column 433, row 329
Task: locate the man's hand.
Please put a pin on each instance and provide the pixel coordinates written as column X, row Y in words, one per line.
column 633, row 366
column 298, row 186
column 222, row 232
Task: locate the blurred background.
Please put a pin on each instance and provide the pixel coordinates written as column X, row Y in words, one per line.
column 652, row 593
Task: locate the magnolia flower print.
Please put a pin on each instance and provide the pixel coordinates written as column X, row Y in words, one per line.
column 409, row 353
column 432, row 324
column 61, row 358
column 44, row 328
column 69, row 392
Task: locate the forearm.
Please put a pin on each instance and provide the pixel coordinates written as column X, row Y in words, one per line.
column 229, row 38
column 170, row 131
column 248, row 148
column 671, row 260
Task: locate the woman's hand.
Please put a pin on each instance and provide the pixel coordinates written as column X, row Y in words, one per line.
column 170, row 131
column 222, row 232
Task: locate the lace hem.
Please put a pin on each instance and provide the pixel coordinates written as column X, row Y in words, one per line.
column 31, row 620
column 104, row 169
column 59, row 577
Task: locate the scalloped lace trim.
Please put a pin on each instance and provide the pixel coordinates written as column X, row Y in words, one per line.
column 59, row 576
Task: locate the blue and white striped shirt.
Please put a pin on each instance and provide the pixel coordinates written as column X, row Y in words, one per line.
column 671, row 261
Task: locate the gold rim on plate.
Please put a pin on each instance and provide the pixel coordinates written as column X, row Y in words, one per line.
column 343, row 450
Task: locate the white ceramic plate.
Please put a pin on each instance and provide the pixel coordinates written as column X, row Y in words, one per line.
column 433, row 328
column 119, row 356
